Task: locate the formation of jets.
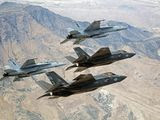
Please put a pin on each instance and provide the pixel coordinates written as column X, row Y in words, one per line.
column 84, row 82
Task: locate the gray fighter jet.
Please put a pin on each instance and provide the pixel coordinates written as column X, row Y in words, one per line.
column 92, row 31
column 82, row 83
column 29, row 68
column 102, row 57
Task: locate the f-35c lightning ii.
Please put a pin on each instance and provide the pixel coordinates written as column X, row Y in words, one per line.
column 29, row 68
column 92, row 31
column 82, row 83
column 102, row 57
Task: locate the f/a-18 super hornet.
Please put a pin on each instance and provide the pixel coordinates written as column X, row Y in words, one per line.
column 102, row 57
column 82, row 83
column 29, row 68
column 94, row 30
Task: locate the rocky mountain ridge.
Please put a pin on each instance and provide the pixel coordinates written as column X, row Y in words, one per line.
column 141, row 41
column 29, row 31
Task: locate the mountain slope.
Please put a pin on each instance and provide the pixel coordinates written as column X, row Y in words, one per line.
column 31, row 31
column 142, row 42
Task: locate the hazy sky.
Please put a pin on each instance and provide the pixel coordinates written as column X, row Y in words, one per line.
column 141, row 13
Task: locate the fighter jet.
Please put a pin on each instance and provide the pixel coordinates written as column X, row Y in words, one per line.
column 82, row 83
column 29, row 68
column 102, row 57
column 92, row 31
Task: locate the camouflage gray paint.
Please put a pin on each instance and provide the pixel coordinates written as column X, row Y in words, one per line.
column 102, row 57
column 92, row 31
column 82, row 83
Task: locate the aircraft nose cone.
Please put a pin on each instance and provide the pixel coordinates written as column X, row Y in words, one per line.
column 123, row 77
column 132, row 54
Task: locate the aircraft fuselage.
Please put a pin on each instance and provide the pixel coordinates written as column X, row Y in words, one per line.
column 95, row 33
column 104, row 60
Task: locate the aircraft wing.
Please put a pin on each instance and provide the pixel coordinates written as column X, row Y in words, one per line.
column 54, row 97
column 83, row 78
column 28, row 63
column 69, row 37
column 78, row 40
column 80, row 69
column 64, row 41
column 3, row 78
column 109, row 74
column 70, row 58
column 17, row 79
column 93, row 26
column 73, row 32
column 102, row 52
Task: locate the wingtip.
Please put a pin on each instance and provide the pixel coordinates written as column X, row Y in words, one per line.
column 38, row 98
column 45, row 95
column 77, row 70
column 54, row 97
column 61, row 42
column 64, row 41
column 70, row 67
column 1, row 79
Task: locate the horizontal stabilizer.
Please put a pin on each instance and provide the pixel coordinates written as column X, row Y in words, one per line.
column 9, row 70
column 102, row 52
column 44, row 85
column 17, row 79
column 13, row 64
column 70, row 58
column 109, row 74
column 80, row 69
